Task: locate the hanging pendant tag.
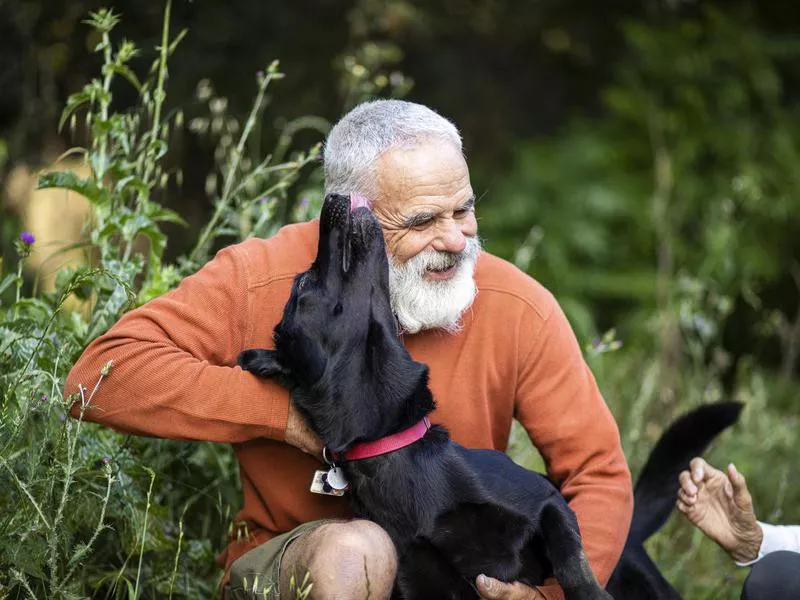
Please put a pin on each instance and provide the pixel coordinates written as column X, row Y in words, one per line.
column 336, row 479
column 320, row 485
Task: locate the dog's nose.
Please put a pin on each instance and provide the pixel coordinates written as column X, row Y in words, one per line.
column 335, row 211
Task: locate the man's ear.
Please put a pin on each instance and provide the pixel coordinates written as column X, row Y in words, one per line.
column 263, row 363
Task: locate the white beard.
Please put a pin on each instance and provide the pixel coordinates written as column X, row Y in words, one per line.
column 422, row 304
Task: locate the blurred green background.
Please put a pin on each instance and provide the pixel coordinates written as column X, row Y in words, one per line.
column 638, row 157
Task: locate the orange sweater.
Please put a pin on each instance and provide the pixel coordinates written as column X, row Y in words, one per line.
column 174, row 376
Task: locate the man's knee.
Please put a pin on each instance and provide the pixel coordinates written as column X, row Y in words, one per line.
column 353, row 547
column 354, row 559
column 774, row 577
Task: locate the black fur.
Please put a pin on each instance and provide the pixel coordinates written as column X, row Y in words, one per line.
column 452, row 512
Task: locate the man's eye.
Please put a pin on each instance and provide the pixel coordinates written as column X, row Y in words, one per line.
column 461, row 213
column 421, row 224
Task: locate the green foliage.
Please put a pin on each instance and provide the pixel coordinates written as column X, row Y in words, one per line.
column 692, row 168
column 88, row 511
column 659, row 219
column 662, row 217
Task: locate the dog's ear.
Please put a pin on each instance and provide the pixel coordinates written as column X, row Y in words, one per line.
column 264, row 363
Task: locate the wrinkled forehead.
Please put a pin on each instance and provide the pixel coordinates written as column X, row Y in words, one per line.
column 430, row 173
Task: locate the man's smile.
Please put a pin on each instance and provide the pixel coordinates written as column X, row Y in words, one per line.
column 440, row 275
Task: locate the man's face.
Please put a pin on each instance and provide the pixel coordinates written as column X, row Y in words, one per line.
column 425, row 201
column 425, row 205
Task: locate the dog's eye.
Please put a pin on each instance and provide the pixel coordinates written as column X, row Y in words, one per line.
column 337, row 310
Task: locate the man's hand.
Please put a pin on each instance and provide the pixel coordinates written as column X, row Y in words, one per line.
column 720, row 505
column 299, row 434
column 492, row 589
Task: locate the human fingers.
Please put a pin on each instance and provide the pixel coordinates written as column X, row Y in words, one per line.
column 740, row 493
column 686, row 483
column 687, row 499
column 682, row 506
column 492, row 589
column 698, row 468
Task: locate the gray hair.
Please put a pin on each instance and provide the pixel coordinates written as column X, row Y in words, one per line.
column 367, row 131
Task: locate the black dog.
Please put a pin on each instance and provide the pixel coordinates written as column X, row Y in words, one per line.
column 464, row 512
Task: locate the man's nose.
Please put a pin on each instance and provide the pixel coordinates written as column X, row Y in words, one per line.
column 450, row 238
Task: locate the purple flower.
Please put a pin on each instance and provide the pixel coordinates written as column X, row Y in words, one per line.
column 44, row 397
column 105, row 460
column 27, row 238
column 260, row 74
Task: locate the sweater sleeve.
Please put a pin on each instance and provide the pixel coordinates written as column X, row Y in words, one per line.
column 559, row 404
column 174, row 372
column 776, row 538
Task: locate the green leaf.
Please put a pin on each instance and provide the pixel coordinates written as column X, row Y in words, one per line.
column 71, row 181
column 124, row 71
column 160, row 214
column 73, row 102
column 35, row 308
column 132, row 182
column 6, row 282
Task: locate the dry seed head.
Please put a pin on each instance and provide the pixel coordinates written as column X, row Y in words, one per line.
column 218, row 105
column 198, row 125
column 211, row 184
column 204, row 90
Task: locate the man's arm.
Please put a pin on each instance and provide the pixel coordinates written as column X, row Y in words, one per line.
column 776, row 538
column 174, row 372
column 561, row 408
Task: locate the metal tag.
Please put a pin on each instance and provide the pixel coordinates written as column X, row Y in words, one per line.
column 336, row 479
column 319, row 485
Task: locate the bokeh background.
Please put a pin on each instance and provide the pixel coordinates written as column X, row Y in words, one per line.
column 639, row 157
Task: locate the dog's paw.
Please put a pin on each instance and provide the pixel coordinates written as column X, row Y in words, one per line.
column 263, row 363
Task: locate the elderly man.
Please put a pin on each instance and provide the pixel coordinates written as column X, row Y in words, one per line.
column 497, row 344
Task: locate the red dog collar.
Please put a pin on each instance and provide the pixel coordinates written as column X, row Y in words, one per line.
column 387, row 444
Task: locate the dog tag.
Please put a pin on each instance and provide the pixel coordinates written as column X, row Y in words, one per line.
column 319, row 485
column 336, row 479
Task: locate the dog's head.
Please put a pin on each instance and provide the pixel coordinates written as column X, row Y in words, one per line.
column 336, row 346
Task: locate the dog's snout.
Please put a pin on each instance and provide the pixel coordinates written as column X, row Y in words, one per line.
column 335, row 212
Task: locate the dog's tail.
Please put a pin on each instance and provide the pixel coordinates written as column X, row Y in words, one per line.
column 657, row 486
